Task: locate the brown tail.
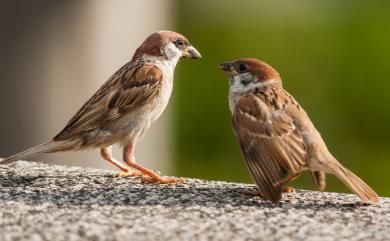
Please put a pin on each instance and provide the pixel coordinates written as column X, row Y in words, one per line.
column 355, row 184
column 50, row 146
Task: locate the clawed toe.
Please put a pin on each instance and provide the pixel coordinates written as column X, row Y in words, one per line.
column 128, row 174
column 162, row 180
column 288, row 189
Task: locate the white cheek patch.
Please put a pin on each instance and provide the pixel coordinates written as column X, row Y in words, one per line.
column 236, row 84
column 171, row 52
column 167, row 62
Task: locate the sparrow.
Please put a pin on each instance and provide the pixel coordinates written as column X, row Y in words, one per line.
column 125, row 106
column 277, row 138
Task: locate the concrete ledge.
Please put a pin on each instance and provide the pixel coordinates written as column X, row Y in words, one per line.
column 45, row 202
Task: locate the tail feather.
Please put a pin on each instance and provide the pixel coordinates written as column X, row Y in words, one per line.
column 355, row 184
column 50, row 146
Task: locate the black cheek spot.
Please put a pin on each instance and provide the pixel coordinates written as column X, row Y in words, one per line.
column 245, row 82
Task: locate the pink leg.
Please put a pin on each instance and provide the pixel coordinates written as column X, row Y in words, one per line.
column 290, row 179
column 106, row 154
column 153, row 176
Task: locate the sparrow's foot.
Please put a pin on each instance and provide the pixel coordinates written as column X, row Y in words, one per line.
column 148, row 175
column 128, row 174
column 163, row 180
column 288, row 189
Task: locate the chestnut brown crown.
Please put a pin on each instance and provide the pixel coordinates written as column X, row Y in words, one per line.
column 261, row 70
column 154, row 45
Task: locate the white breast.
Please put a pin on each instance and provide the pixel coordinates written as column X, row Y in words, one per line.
column 166, row 91
column 167, row 66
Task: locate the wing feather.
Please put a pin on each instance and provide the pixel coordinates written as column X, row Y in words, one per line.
column 272, row 146
column 127, row 90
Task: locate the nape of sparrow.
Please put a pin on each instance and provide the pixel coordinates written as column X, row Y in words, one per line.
column 125, row 106
column 276, row 136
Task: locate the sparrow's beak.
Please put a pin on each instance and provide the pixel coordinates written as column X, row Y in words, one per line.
column 191, row 53
column 228, row 68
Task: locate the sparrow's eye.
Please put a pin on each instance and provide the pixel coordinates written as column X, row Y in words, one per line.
column 242, row 68
column 179, row 43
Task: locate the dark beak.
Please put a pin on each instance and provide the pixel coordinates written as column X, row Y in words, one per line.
column 191, row 53
column 228, row 68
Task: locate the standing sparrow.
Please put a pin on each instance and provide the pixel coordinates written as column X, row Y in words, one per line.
column 125, row 106
column 276, row 136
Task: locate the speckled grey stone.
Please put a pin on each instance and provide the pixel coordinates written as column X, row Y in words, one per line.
column 46, row 202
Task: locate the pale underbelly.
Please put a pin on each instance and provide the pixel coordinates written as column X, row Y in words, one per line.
column 126, row 130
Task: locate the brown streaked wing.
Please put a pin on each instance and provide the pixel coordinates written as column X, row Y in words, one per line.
column 130, row 88
column 273, row 148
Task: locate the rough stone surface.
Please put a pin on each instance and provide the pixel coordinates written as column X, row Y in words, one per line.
column 44, row 202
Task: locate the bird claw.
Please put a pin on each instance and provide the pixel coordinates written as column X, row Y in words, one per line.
column 128, row 174
column 163, row 180
column 288, row 189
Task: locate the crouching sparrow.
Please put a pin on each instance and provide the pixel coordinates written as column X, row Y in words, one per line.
column 125, row 106
column 277, row 138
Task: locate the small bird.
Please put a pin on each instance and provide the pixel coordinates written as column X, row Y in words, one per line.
column 276, row 136
column 125, row 106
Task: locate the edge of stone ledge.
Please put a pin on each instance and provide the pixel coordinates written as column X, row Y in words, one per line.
column 108, row 172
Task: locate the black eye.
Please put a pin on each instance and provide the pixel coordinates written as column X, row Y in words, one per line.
column 242, row 68
column 179, row 43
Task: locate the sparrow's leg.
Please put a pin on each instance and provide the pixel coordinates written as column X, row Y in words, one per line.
column 153, row 177
column 319, row 179
column 290, row 179
column 106, row 154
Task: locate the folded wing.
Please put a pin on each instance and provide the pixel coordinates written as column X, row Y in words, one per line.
column 272, row 146
column 127, row 90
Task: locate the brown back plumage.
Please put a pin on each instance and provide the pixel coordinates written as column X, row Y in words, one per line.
column 273, row 148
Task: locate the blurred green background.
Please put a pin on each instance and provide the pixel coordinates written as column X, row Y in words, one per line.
column 333, row 57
